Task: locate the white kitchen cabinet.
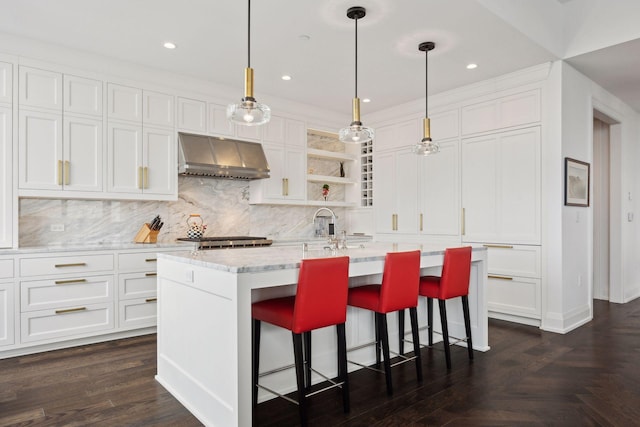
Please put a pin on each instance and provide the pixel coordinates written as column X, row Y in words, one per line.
column 396, row 192
column 445, row 125
column 219, row 125
column 440, row 191
column 137, row 290
column 40, row 150
column 501, row 187
column 124, row 103
column 7, row 332
column 398, row 135
column 68, row 291
column 6, row 83
column 158, row 109
column 141, row 162
column 192, row 115
column 40, row 89
column 6, row 178
column 514, row 110
column 82, row 154
column 82, row 96
column 287, row 160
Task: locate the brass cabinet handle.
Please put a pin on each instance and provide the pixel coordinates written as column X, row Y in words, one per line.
column 59, row 172
column 70, row 310
column 283, row 187
column 151, row 300
column 145, row 182
column 75, row 264
column 463, row 222
column 286, row 186
column 150, row 274
column 66, row 282
column 421, row 221
column 499, row 246
column 491, row 276
column 140, row 177
column 151, row 260
column 67, row 178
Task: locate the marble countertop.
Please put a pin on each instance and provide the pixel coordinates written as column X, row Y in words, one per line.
column 105, row 246
column 248, row 260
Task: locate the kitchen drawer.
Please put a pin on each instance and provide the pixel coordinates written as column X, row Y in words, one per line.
column 137, row 285
column 513, row 260
column 519, row 296
column 138, row 261
column 66, row 323
column 138, row 312
column 6, row 268
column 78, row 264
column 59, row 293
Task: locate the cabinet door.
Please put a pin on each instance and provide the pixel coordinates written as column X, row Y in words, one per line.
column 440, row 191
column 295, row 169
column 82, row 154
column 6, row 179
column 160, row 163
column 218, row 124
column 192, row 115
column 6, row 83
column 249, row 133
column 273, row 132
column 40, row 150
column 6, row 314
column 295, row 133
column 40, row 89
column 383, row 190
column 273, row 187
column 82, row 95
column 158, row 109
column 124, row 152
column 406, row 191
column 125, row 103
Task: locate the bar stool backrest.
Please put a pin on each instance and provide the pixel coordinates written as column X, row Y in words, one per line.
column 321, row 297
column 456, row 271
column 400, row 281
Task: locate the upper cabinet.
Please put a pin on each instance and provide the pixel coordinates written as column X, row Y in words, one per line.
column 6, row 83
column 398, row 135
column 82, row 96
column 192, row 115
column 6, row 178
column 40, row 89
column 124, row 103
column 514, row 110
column 158, row 109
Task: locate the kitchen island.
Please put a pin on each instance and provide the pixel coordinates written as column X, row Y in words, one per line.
column 204, row 320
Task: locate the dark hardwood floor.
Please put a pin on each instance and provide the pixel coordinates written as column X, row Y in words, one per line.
column 589, row 377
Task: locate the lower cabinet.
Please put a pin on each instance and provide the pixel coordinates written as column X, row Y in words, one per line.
column 138, row 312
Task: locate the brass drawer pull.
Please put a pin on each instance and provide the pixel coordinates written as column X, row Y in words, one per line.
column 66, row 282
column 75, row 264
column 150, row 274
column 59, row 172
column 151, row 260
column 67, row 173
column 70, row 310
column 491, row 276
column 151, row 300
column 499, row 246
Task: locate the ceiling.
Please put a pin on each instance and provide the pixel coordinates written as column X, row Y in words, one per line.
column 313, row 41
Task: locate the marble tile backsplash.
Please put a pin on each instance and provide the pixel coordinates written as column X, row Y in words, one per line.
column 223, row 205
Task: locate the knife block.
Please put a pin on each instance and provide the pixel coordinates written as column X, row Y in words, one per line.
column 146, row 235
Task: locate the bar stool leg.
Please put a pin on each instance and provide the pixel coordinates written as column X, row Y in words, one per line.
column 343, row 375
column 467, row 324
column 401, row 331
column 307, row 359
column 413, row 314
column 377, row 331
column 445, row 331
column 255, row 333
column 384, row 335
column 299, row 362
column 430, row 320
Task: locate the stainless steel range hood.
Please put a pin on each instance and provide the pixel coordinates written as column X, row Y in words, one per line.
column 210, row 156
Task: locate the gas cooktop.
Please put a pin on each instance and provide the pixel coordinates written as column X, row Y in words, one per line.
column 217, row 242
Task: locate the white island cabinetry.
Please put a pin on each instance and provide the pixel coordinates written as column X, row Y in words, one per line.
column 212, row 377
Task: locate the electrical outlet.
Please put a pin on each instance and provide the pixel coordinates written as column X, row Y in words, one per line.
column 57, row 227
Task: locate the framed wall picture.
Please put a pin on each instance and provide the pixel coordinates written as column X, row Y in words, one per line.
column 576, row 182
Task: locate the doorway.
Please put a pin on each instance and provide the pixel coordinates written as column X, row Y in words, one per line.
column 601, row 208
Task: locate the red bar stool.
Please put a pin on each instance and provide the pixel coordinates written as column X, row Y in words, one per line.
column 320, row 300
column 398, row 291
column 454, row 282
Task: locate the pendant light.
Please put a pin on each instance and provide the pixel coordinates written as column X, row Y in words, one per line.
column 248, row 112
column 356, row 132
column 426, row 146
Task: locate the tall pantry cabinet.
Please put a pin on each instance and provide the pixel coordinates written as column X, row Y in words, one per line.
column 6, row 155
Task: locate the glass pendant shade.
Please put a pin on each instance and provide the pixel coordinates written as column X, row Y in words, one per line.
column 356, row 133
column 248, row 112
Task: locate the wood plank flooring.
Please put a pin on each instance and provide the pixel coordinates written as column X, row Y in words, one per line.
column 589, row 377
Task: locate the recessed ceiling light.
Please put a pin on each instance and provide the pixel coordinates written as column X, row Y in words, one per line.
column 472, row 66
column 366, row 100
column 169, row 45
column 286, row 77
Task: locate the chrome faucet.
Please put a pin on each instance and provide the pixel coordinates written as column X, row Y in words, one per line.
column 333, row 219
